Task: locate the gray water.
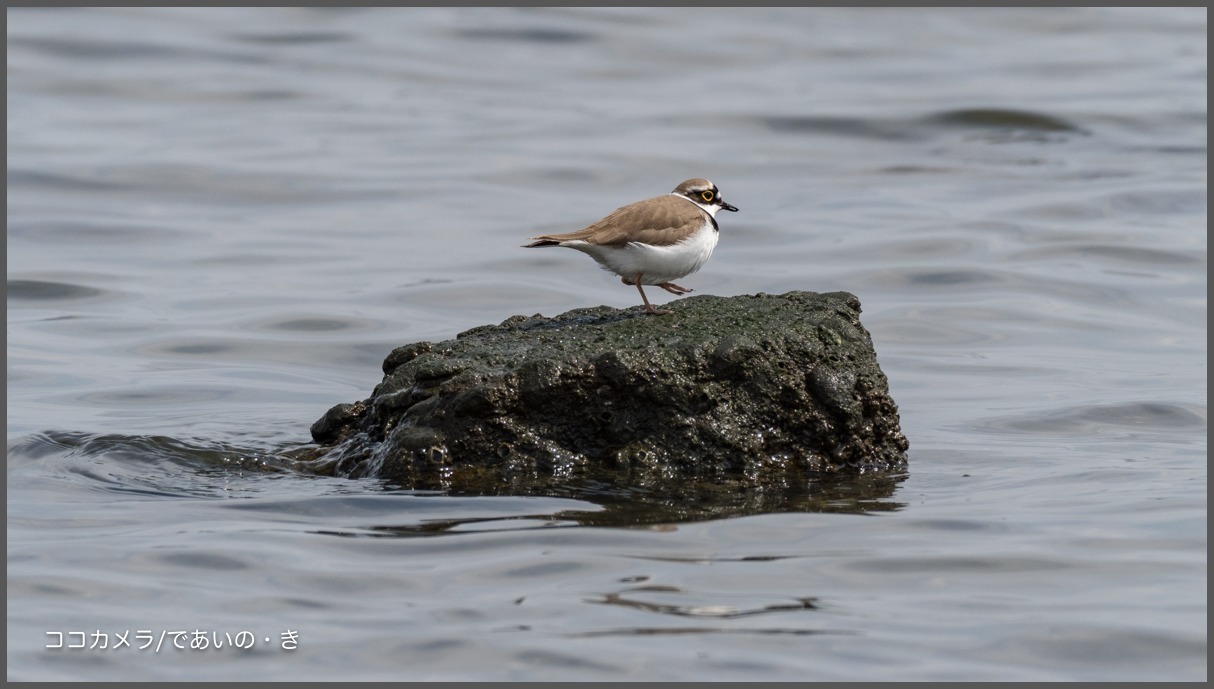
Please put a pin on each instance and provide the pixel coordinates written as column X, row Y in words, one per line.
column 221, row 221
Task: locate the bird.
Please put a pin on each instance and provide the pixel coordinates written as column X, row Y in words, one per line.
column 652, row 242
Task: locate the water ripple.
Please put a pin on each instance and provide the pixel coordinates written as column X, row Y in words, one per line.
column 1112, row 252
column 528, row 34
column 1002, row 119
column 1094, row 419
column 672, row 600
column 991, row 120
column 42, row 290
column 142, row 465
column 296, row 37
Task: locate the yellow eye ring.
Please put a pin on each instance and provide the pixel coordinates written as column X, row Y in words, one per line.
column 706, row 195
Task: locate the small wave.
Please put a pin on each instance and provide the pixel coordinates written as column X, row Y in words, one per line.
column 997, row 120
column 141, row 464
column 1098, row 419
column 1002, row 118
column 42, row 290
column 527, row 34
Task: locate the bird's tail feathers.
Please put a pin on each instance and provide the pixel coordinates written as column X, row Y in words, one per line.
column 542, row 242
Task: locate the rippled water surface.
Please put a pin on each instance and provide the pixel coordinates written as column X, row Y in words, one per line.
column 221, row 221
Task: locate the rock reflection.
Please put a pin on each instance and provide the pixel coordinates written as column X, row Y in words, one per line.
column 665, row 505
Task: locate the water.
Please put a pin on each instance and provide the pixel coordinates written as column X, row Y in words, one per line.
column 221, row 221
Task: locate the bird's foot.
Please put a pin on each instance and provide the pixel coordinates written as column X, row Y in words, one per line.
column 674, row 289
column 648, row 307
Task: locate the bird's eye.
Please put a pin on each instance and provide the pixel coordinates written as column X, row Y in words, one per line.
column 707, row 195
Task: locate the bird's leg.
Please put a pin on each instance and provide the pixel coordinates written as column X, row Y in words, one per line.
column 674, row 289
column 648, row 307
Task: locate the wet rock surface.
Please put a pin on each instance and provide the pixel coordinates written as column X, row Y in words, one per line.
column 753, row 396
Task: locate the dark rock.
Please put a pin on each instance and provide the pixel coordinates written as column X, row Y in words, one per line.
column 751, row 391
column 328, row 427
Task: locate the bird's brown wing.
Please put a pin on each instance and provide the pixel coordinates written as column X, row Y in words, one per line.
column 660, row 221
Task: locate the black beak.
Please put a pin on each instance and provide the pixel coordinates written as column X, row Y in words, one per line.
column 726, row 206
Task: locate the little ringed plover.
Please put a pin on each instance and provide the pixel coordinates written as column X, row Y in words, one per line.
column 654, row 241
